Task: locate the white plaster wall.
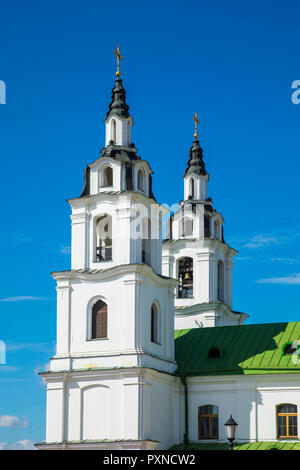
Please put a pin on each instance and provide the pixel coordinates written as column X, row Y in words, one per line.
column 205, row 266
column 115, row 405
column 200, row 186
column 207, row 316
column 126, row 243
column 129, row 320
column 251, row 400
column 123, row 130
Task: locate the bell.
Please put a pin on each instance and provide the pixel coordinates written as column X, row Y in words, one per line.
column 187, row 276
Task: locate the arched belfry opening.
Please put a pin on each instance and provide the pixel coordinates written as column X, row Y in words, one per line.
column 185, row 277
column 104, row 238
column 141, row 180
column 217, row 230
column 187, row 227
column 192, row 188
column 107, row 177
column 113, row 130
column 146, row 240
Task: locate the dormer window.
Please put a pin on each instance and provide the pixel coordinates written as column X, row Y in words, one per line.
column 107, row 177
column 214, row 353
column 141, row 180
column 289, row 349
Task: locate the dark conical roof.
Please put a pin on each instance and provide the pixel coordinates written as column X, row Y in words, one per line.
column 195, row 163
column 118, row 104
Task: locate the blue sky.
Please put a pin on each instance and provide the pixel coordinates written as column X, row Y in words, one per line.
column 233, row 62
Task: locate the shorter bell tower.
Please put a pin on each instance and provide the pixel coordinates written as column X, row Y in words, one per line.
column 195, row 253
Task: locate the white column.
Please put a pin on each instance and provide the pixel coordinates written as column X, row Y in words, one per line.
column 228, row 282
column 202, row 278
column 63, row 317
column 55, row 431
column 131, row 409
column 79, row 241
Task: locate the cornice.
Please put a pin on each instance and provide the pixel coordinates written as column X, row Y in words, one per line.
column 110, row 273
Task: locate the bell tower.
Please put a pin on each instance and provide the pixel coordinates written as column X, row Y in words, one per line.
column 196, row 253
column 115, row 325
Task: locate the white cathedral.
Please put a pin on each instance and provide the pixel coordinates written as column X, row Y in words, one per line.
column 150, row 354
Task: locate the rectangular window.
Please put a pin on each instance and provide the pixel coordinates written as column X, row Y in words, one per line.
column 208, row 422
column 287, row 422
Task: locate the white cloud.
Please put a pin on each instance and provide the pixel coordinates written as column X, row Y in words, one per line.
column 260, row 241
column 263, row 240
column 20, row 298
column 289, row 280
column 65, row 250
column 286, row 260
column 25, row 444
column 44, row 368
column 8, row 421
column 36, row 347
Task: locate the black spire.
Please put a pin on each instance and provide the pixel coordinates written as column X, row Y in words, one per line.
column 195, row 163
column 118, row 104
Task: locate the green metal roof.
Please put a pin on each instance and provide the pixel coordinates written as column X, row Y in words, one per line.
column 245, row 349
column 240, row 446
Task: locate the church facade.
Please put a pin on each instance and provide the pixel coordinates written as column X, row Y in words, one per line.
column 150, row 353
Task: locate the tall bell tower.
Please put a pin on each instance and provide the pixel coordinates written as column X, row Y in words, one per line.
column 195, row 253
column 115, row 324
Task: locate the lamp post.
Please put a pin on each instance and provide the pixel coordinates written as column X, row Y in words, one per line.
column 230, row 427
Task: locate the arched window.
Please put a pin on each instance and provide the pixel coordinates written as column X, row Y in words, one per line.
column 187, row 227
column 146, row 240
column 155, row 324
column 287, row 427
column 99, row 320
column 113, row 130
column 192, row 187
column 208, row 422
column 221, row 281
column 104, row 238
column 141, row 180
column 107, row 177
column 217, row 230
column 185, row 276
column 214, row 353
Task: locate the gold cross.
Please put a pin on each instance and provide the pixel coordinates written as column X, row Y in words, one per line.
column 117, row 53
column 196, row 124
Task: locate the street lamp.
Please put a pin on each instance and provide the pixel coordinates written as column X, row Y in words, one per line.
column 230, row 427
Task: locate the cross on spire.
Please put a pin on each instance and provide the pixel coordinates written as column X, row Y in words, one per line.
column 195, row 117
column 117, row 53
